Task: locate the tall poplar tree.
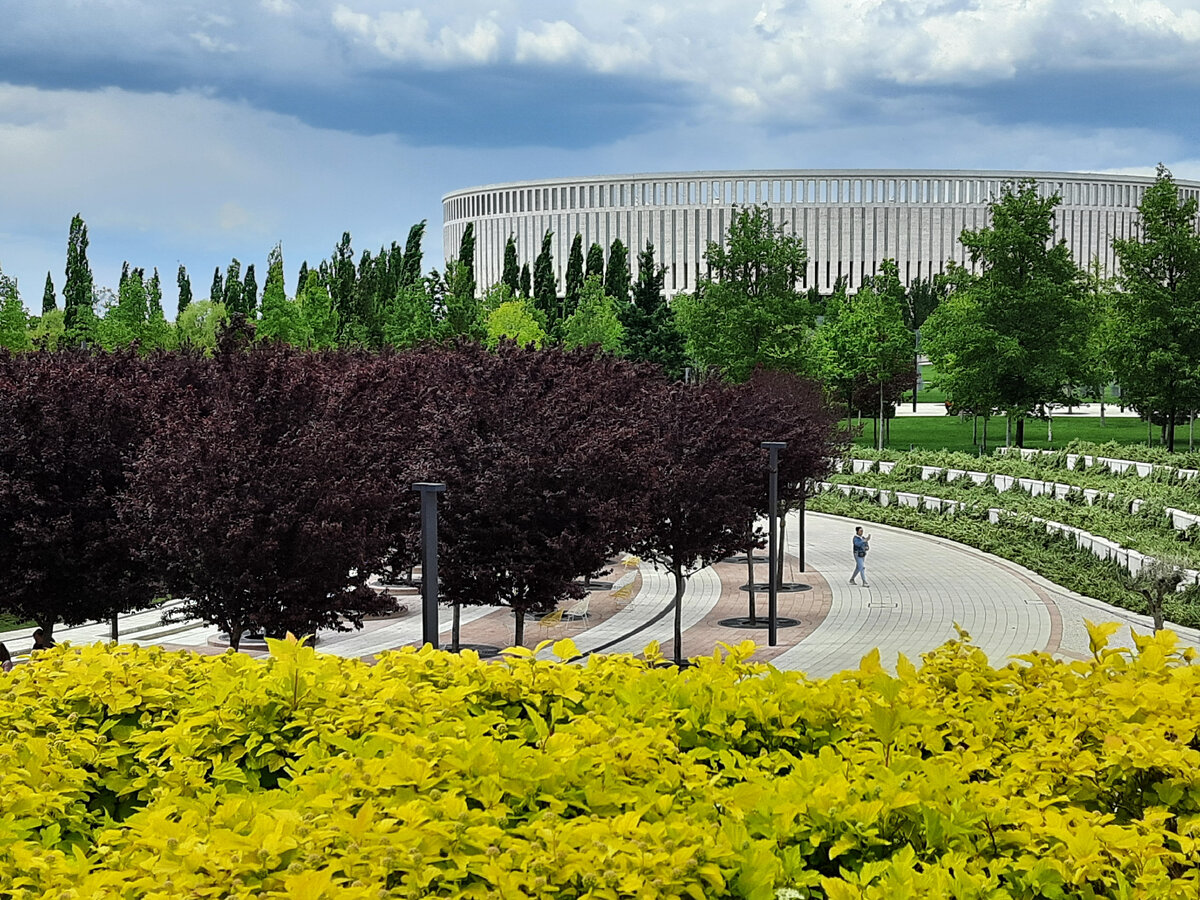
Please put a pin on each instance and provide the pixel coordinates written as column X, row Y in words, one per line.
column 410, row 273
column 318, row 312
column 511, row 275
column 574, row 276
column 185, row 290
column 616, row 279
column 49, row 301
column 302, row 279
column 466, row 257
column 233, row 289
column 79, row 318
column 216, row 293
column 250, row 293
column 595, row 262
column 14, row 321
column 341, row 286
column 545, row 284
column 282, row 319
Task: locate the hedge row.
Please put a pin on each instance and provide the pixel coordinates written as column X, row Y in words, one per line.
column 137, row 773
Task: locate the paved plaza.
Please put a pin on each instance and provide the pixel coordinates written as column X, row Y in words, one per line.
column 920, row 587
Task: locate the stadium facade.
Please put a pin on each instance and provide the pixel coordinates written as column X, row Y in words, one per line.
column 850, row 220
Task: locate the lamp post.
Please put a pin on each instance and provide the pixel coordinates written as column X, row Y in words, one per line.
column 429, row 561
column 772, row 448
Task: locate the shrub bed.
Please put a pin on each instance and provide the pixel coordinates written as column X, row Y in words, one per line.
column 141, row 773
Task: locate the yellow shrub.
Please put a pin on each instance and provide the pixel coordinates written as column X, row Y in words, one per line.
column 129, row 772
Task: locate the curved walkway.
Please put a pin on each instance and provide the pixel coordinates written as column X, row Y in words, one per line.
column 920, row 587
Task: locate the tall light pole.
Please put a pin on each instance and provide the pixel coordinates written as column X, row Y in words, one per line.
column 429, row 560
column 772, row 448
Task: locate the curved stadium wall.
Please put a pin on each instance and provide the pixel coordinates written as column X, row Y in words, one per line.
column 850, row 220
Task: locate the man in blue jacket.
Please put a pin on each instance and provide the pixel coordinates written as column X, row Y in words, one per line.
column 861, row 545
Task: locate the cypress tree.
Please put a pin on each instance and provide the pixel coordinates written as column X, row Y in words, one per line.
column 525, row 281
column 79, row 288
column 545, row 284
column 616, row 279
column 250, row 293
column 574, row 275
column 302, row 280
column 154, row 296
column 233, row 288
column 466, row 255
column 511, row 275
column 124, row 276
column 49, row 301
column 341, row 286
column 410, row 273
column 185, row 290
column 648, row 289
column 216, row 293
column 595, row 262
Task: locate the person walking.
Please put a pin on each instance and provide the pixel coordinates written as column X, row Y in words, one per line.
column 862, row 543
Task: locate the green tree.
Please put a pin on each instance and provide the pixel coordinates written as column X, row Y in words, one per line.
column 748, row 312
column 342, row 275
column 461, row 312
column 515, row 320
column 124, row 323
column 545, row 284
column 250, row 292
column 526, row 291
column 185, row 290
column 216, row 293
column 466, row 257
column 318, row 313
column 198, row 325
column 574, row 275
column 49, row 301
column 410, row 273
column 616, row 277
column 14, row 321
column 1157, row 354
column 595, row 321
column 1029, row 293
column 595, row 262
column 302, row 280
column 511, row 274
column 651, row 333
column 79, row 316
column 46, row 332
column 234, row 298
column 409, row 319
column 158, row 333
column 282, row 319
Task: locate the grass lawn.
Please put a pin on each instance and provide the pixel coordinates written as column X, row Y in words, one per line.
column 948, row 433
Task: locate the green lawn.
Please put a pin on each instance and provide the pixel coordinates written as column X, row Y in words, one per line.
column 948, row 433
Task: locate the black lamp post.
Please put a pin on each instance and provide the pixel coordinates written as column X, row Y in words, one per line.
column 773, row 448
column 429, row 560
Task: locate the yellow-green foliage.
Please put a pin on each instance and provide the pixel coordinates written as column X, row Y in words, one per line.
column 129, row 772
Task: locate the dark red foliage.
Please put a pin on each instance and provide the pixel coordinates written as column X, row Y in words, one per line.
column 69, row 421
column 258, row 499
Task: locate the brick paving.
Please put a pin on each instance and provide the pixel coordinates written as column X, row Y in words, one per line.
column 920, row 586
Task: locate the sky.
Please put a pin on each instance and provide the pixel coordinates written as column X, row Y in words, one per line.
column 194, row 131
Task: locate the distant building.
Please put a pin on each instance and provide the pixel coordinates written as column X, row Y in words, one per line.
column 850, row 220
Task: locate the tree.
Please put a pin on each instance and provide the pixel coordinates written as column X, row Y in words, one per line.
column 616, row 277
column 595, row 322
column 198, row 325
column 340, row 283
column 185, row 290
column 515, row 320
column 749, row 312
column 282, row 319
column 261, row 501
column 651, row 333
column 461, row 311
column 526, row 291
column 302, row 279
column 79, row 317
column 71, row 419
column 1157, row 354
column 574, row 275
column 47, row 331
column 250, row 292
column 409, row 319
column 49, row 301
column 545, row 284
column 959, row 342
column 410, row 273
column 124, row 324
column 158, row 333
column 466, row 256
column 234, row 298
column 14, row 321
column 1029, row 294
column 318, row 313
column 511, row 274
column 216, row 293
column 595, row 262
column 1156, row 580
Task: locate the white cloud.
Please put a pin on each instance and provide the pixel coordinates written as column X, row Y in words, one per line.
column 404, row 36
column 279, row 7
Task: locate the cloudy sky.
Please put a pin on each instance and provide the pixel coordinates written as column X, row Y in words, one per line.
column 193, row 131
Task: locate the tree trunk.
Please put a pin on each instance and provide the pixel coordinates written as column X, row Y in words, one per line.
column 975, row 430
column 679, row 582
column 1049, row 429
column 1102, row 409
column 1171, row 431
column 985, row 424
column 1008, row 431
column 750, row 578
column 454, row 628
column 880, row 429
column 235, row 637
column 519, row 637
column 1020, row 431
column 1191, row 431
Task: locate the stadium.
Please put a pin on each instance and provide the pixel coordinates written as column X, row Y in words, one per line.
column 850, row 220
